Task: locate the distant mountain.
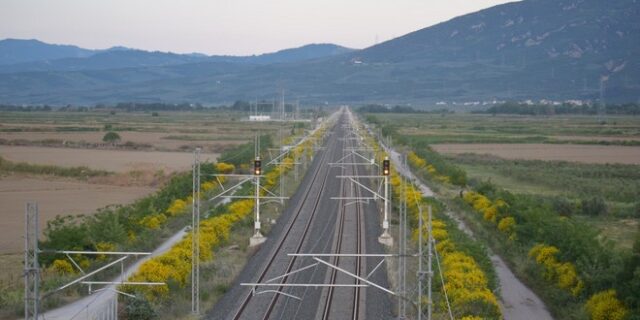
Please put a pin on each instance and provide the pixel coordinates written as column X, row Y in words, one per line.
column 308, row 52
column 528, row 49
column 117, row 58
column 18, row 51
column 122, row 57
column 533, row 49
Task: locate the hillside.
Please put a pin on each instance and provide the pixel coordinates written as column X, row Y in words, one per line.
column 19, row 51
column 48, row 57
column 533, row 49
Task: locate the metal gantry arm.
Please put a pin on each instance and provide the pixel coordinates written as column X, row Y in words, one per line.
column 340, row 161
column 354, row 276
column 85, row 276
column 32, row 294
column 376, row 195
column 236, row 186
column 316, row 257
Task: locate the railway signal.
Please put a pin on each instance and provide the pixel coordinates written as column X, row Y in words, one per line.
column 385, row 166
column 257, row 166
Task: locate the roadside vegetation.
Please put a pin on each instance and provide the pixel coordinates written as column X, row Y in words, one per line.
column 544, row 218
column 464, row 266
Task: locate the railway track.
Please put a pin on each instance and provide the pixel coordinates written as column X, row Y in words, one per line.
column 247, row 299
column 314, row 223
column 359, row 248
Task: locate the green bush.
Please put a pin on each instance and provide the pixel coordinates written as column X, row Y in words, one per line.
column 593, row 207
column 563, row 206
column 140, row 309
column 111, row 137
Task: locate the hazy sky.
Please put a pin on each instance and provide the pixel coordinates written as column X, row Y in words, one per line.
column 223, row 26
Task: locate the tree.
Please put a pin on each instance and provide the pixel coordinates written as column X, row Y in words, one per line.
column 111, row 137
column 140, row 308
column 594, row 206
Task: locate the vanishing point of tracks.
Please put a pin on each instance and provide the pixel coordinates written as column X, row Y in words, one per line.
column 344, row 302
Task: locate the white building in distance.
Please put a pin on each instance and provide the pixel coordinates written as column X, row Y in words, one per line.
column 259, row 118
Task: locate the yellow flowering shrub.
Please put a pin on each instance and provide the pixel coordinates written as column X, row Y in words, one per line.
column 177, row 207
column 62, row 267
column 491, row 212
column 175, row 264
column 415, row 160
column 152, row 270
column 223, row 167
column 544, row 254
column 131, row 236
column 563, row 274
column 104, row 246
column 507, row 225
column 207, row 186
column 606, row 306
column 422, row 164
column 467, row 286
column 153, row 221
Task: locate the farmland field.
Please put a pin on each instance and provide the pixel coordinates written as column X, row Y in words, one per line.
column 59, row 160
column 110, row 160
column 539, row 151
column 54, row 197
column 478, row 128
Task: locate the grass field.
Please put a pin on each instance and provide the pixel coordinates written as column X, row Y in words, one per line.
column 477, row 128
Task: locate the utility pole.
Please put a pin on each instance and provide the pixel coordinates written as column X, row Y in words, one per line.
column 429, row 265
column 195, row 235
column 420, row 271
column 31, row 267
column 402, row 246
column 281, row 181
column 283, row 113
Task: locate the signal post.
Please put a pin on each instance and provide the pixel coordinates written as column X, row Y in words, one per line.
column 385, row 238
column 257, row 237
